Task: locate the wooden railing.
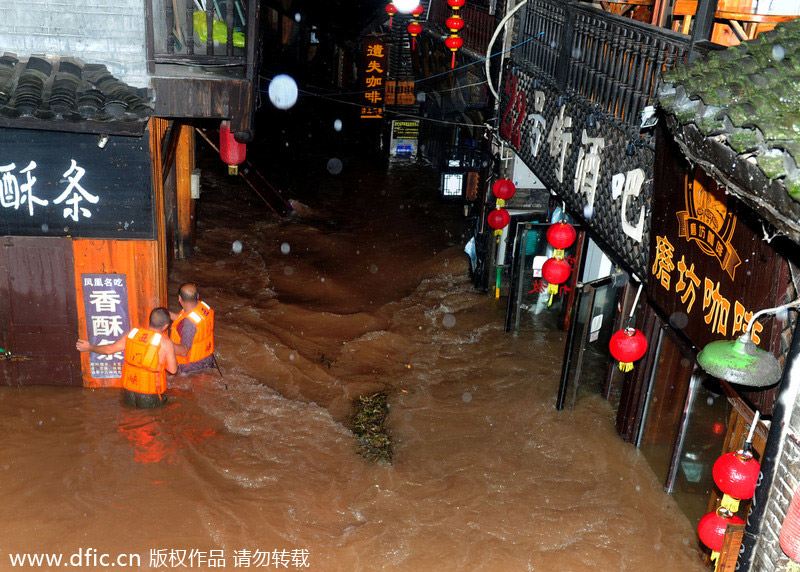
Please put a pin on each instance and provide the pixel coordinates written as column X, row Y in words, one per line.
column 611, row 62
column 178, row 32
column 479, row 23
column 730, row 26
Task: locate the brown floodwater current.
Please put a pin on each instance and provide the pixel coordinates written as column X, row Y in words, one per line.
column 364, row 288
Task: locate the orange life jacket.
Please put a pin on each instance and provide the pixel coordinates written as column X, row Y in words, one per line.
column 202, row 316
column 140, row 371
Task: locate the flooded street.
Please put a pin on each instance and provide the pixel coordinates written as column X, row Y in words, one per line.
column 364, row 288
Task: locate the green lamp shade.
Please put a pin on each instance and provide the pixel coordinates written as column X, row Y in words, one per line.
column 741, row 362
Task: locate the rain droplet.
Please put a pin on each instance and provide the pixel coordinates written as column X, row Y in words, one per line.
column 588, row 211
column 288, row 271
column 679, row 320
column 337, row 125
column 576, row 53
column 638, row 488
column 291, row 356
column 45, row 227
column 322, row 279
column 283, row 91
column 285, row 248
column 373, row 269
column 334, row 166
column 778, row 52
column 466, row 397
column 297, row 17
column 710, row 401
column 448, row 320
column 237, row 246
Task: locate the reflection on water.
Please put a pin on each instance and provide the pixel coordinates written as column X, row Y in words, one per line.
column 486, row 475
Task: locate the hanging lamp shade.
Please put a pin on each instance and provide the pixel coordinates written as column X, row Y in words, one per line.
column 627, row 346
column 711, row 528
column 740, row 361
column 499, row 218
column 790, row 531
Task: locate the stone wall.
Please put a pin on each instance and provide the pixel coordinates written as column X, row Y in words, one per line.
column 96, row 31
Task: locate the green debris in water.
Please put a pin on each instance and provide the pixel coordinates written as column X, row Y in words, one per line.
column 367, row 424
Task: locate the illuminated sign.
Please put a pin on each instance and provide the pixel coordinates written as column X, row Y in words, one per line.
column 373, row 78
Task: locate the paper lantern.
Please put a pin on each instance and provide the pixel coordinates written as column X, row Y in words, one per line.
column 456, row 4
column 556, row 272
column 454, row 43
column 711, row 528
column 414, row 29
column 231, row 151
column 454, row 23
column 561, row 236
column 499, row 218
column 391, row 9
column 790, row 531
column 627, row 346
column 418, row 11
column 503, row 189
column 736, row 475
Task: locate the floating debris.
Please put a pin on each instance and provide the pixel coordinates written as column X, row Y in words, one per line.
column 367, row 424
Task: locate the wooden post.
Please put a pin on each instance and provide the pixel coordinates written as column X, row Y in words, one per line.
column 184, row 165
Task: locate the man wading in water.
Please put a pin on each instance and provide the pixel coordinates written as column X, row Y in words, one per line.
column 193, row 331
column 149, row 355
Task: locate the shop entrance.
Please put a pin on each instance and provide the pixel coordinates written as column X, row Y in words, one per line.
column 38, row 313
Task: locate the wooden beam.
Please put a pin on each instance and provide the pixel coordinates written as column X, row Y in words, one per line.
column 184, row 165
column 158, row 128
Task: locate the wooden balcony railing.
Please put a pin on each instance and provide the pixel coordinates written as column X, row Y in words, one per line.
column 178, row 32
column 730, row 26
column 613, row 63
column 479, row 22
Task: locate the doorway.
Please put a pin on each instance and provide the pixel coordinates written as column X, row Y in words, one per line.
column 38, row 313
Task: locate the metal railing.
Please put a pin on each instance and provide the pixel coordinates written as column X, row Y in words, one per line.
column 612, row 63
column 479, row 22
column 178, row 32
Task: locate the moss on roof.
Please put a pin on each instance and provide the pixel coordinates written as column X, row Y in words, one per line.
column 749, row 96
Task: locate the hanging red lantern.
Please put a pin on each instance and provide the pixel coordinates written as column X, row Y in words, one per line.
column 503, row 189
column 414, row 29
column 230, row 150
column 556, row 272
column 499, row 218
column 453, row 42
column 418, row 11
column 711, row 528
column 456, row 4
column 561, row 236
column 454, row 23
column 790, row 531
column 391, row 9
column 627, row 346
column 736, row 475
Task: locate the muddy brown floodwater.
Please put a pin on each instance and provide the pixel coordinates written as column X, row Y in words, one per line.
column 364, row 288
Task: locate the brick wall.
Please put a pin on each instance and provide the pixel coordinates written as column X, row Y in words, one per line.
column 96, row 31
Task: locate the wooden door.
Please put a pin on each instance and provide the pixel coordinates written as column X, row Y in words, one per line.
column 38, row 313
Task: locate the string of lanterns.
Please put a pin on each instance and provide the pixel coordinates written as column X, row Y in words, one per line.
column 736, row 475
column 414, row 28
column 499, row 218
column 556, row 270
column 454, row 23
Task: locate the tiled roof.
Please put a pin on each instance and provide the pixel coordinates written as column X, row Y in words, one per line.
column 735, row 111
column 63, row 94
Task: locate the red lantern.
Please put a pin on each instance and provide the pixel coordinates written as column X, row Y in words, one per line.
column 231, row 151
column 627, row 346
column 561, row 235
column 454, row 23
column 456, row 4
column 391, row 9
column 790, row 531
column 736, row 475
column 418, row 11
column 503, row 189
column 711, row 528
column 453, row 42
column 555, row 271
column 414, row 29
column 499, row 218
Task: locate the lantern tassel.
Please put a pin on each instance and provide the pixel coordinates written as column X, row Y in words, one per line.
column 730, row 503
column 453, row 63
column 390, row 22
column 553, row 289
column 558, row 253
column 714, row 556
column 413, row 44
column 625, row 366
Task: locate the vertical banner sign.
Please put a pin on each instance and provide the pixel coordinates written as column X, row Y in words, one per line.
column 105, row 303
column 374, row 78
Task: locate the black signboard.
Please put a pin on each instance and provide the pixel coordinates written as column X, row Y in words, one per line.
column 599, row 166
column 65, row 184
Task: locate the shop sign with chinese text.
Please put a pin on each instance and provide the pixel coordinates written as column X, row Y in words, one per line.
column 709, row 272
column 105, row 303
column 62, row 184
column 601, row 168
column 373, row 78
